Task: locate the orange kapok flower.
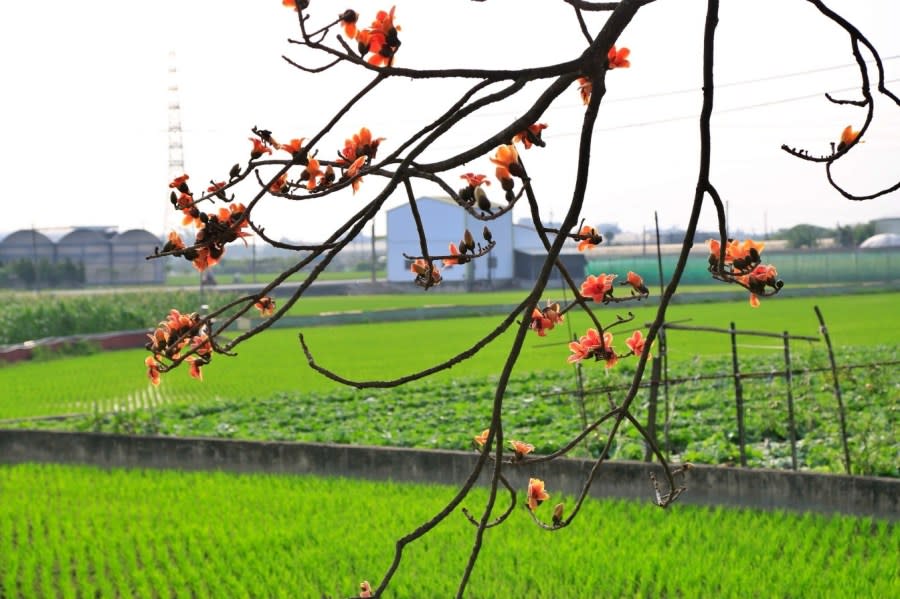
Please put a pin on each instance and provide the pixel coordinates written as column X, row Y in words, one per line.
column 747, row 248
column 424, row 272
column 177, row 182
column 618, row 59
column 265, row 305
column 475, row 180
column 294, row 3
column 348, row 20
column 311, row 174
column 152, row 370
column 544, row 320
column 454, row 251
column 174, row 243
column 507, row 161
column 590, row 238
column 848, row 136
column 380, row 39
column 590, row 346
column 754, row 300
column 216, row 187
column 540, row 324
column 531, row 136
column 195, row 371
column 764, row 274
column 536, row 493
column 636, row 343
column 279, row 185
column 598, row 288
column 585, row 346
column 637, row 283
column 293, row 146
column 482, row 438
column 204, row 259
column 259, row 148
column 361, row 144
column 352, row 172
column 521, row 448
column 611, row 358
column 585, row 87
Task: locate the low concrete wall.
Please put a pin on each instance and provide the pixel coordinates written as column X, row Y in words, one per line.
column 766, row 489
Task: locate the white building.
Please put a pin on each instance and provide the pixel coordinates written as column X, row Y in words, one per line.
column 445, row 222
column 516, row 258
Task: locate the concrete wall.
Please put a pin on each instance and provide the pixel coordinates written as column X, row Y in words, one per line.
column 766, row 489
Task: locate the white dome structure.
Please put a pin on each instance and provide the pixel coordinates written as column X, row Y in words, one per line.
column 881, row 240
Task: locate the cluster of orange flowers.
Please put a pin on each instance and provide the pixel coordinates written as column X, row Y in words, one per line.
column 543, row 320
column 427, row 275
column 535, row 494
column 588, row 238
column 171, row 337
column 358, row 150
column 616, row 59
column 380, row 39
column 590, row 345
column 507, row 166
column 214, row 230
column 743, row 265
column 600, row 287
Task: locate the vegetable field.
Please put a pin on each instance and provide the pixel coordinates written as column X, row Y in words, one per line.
column 543, row 408
column 85, row 532
column 270, row 393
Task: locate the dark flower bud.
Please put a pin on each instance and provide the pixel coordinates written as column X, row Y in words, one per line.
column 235, row 171
column 468, row 240
column 558, row 513
column 173, row 198
column 264, row 134
column 487, row 234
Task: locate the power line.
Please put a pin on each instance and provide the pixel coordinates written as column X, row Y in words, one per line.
column 716, row 111
column 749, row 81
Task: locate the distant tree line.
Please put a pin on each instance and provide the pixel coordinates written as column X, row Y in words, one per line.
column 803, row 235
column 41, row 273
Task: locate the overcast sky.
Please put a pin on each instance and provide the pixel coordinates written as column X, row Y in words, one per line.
column 85, row 106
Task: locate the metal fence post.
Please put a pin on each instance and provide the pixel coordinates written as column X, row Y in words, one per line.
column 788, row 379
column 651, row 407
column 738, row 395
column 837, row 388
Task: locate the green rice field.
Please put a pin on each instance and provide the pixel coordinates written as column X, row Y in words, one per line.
column 273, row 362
column 85, row 532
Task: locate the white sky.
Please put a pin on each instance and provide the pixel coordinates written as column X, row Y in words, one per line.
column 84, row 106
